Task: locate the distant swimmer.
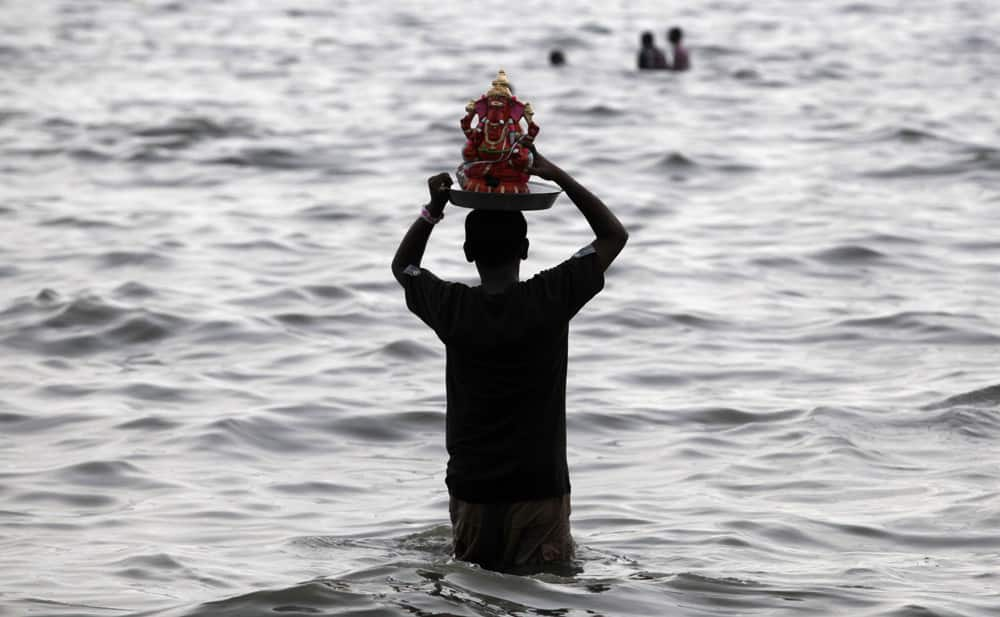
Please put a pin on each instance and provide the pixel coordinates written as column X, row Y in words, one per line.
column 557, row 57
column 681, row 59
column 505, row 372
column 651, row 56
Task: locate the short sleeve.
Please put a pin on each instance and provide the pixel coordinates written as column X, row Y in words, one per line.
column 575, row 281
column 427, row 296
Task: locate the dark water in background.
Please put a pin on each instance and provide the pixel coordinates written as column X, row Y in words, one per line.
column 214, row 402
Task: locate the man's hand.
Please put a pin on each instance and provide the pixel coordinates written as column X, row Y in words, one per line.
column 543, row 167
column 411, row 248
column 610, row 235
column 439, row 188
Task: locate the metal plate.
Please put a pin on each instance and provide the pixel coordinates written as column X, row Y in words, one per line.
column 541, row 197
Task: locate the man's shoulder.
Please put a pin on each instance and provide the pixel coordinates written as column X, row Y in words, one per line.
column 580, row 263
column 417, row 272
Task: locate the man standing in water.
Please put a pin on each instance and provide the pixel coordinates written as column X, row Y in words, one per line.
column 682, row 61
column 650, row 56
column 506, row 350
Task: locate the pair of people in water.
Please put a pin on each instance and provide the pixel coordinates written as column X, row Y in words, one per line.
column 652, row 57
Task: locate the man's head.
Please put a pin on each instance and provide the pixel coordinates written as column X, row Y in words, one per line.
column 647, row 39
column 674, row 35
column 495, row 237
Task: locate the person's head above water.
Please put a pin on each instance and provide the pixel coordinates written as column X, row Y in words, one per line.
column 557, row 57
column 495, row 237
column 674, row 35
column 647, row 39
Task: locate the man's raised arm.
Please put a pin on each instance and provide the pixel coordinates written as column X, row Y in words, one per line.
column 611, row 234
column 411, row 248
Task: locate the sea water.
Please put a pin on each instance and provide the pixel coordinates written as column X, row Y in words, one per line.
column 213, row 400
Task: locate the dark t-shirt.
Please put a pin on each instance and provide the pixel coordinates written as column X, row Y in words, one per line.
column 652, row 58
column 506, row 377
column 682, row 61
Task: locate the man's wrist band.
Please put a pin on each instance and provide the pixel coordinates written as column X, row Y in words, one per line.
column 430, row 218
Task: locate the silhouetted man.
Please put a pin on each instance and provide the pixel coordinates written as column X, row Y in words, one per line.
column 506, row 357
column 651, row 56
column 681, row 59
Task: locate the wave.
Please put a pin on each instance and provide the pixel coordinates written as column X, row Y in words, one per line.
column 150, row 567
column 974, row 421
column 263, row 433
column 644, row 318
column 20, row 423
column 66, row 499
column 592, row 27
column 396, row 427
column 983, row 397
column 267, row 158
column 978, row 158
column 116, row 473
column 79, row 223
column 939, row 327
column 778, row 262
column 849, row 254
column 675, row 160
column 406, row 349
column 185, row 130
column 121, row 259
column 85, row 325
column 725, row 416
column 861, row 8
column 148, row 423
column 311, row 598
column 317, row 488
column 596, row 111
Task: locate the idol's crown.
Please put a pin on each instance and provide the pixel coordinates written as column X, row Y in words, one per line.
column 500, row 86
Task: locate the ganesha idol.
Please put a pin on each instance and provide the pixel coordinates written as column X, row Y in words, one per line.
column 497, row 150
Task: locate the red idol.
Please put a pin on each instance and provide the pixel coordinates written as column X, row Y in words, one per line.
column 497, row 149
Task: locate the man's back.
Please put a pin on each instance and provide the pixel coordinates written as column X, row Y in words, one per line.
column 506, row 378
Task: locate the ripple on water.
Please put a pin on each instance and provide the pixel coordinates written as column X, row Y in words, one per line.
column 273, row 159
column 328, row 212
column 15, row 423
column 395, row 427
column 78, row 222
column 969, row 159
column 184, row 130
column 982, row 397
column 142, row 391
column 640, row 318
column 317, row 488
column 259, row 432
column 674, row 161
column 407, row 349
column 110, row 474
column 123, row 259
column 329, row 292
column 148, row 423
column 66, row 499
column 313, row 598
column 974, row 414
column 916, row 326
column 84, row 325
column 849, row 255
column 726, row 416
column 156, row 566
